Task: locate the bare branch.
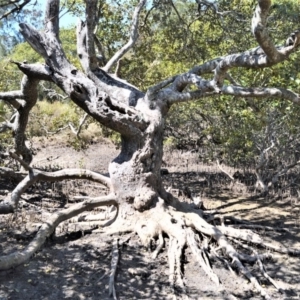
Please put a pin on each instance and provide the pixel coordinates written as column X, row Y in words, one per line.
column 222, row 169
column 186, row 79
column 52, row 17
column 264, row 56
column 16, row 9
column 207, row 67
column 21, row 161
column 11, row 98
column 154, row 89
column 101, row 58
column 81, row 122
column 39, row 71
column 88, row 92
column 91, row 8
column 259, row 30
column 133, row 37
column 11, row 202
column 53, row 94
column 261, row 93
column 172, row 97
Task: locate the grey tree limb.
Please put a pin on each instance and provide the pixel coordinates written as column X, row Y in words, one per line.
column 16, row 258
column 18, row 6
column 10, row 203
column 86, row 93
column 12, row 98
column 132, row 39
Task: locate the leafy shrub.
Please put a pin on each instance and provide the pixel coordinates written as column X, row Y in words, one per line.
column 48, row 118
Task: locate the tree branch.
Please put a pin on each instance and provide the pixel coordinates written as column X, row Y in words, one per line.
column 132, row 39
column 87, row 93
column 266, row 55
column 259, row 30
column 81, row 122
column 18, row 7
column 172, row 97
column 261, row 93
column 52, row 17
column 10, row 204
column 11, row 98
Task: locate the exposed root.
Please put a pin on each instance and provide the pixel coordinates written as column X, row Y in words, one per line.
column 114, row 265
column 220, row 238
column 223, row 260
column 248, row 225
column 257, row 258
column 251, row 237
column 264, row 273
column 201, row 257
column 159, row 246
column 16, row 258
column 182, row 229
column 174, row 253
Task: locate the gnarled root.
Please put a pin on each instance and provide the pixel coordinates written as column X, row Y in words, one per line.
column 182, row 228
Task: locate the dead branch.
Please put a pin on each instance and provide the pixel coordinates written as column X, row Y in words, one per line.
column 81, row 123
column 16, row 258
column 18, row 6
column 10, row 204
column 226, row 173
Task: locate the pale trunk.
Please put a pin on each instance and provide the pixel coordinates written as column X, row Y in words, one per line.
column 135, row 173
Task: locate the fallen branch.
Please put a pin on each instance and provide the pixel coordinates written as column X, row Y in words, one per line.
column 10, row 204
column 16, row 258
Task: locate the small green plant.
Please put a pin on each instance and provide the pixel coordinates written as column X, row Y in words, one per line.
column 170, row 142
column 50, row 118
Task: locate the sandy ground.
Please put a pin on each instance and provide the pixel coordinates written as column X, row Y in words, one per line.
column 74, row 265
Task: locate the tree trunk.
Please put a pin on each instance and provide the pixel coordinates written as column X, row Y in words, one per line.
column 135, row 173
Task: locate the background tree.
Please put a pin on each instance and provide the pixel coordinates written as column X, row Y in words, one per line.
column 136, row 189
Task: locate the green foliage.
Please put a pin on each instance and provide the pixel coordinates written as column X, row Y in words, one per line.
column 49, row 117
column 9, row 29
column 53, row 119
column 225, row 125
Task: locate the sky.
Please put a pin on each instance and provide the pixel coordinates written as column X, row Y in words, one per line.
column 65, row 21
